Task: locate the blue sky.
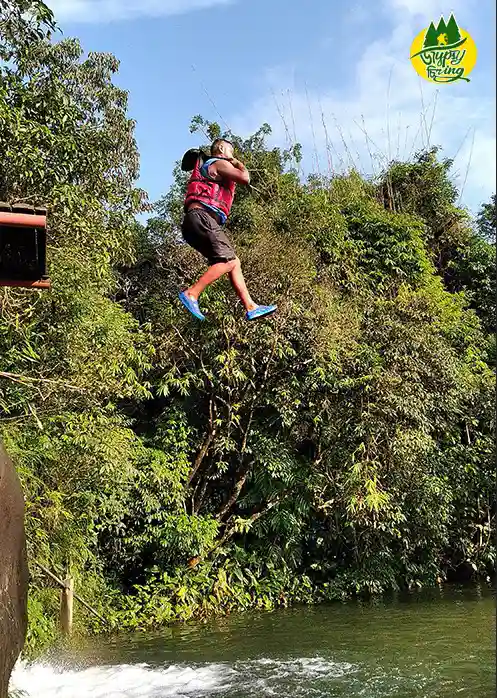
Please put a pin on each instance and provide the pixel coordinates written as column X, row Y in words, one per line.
column 293, row 64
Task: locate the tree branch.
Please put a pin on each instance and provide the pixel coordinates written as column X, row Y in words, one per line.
column 230, row 532
column 236, row 492
column 207, row 442
column 244, row 471
column 18, row 378
column 198, row 496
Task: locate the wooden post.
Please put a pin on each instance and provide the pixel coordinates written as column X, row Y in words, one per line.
column 63, row 585
column 66, row 606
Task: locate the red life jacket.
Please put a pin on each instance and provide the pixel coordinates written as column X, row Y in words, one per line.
column 215, row 194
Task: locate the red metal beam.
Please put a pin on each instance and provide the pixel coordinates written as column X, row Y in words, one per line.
column 42, row 283
column 28, row 220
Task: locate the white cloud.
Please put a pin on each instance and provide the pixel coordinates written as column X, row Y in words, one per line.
column 99, row 11
column 400, row 112
column 427, row 8
column 431, row 10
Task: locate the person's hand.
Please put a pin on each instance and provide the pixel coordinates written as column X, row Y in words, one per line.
column 235, row 170
column 236, row 163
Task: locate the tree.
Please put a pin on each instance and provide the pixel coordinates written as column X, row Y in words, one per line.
column 441, row 27
column 453, row 32
column 342, row 447
column 23, row 22
column 311, row 439
column 67, row 358
column 430, row 37
column 487, row 220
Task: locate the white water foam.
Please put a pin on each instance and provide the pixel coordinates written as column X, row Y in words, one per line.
column 262, row 677
column 121, row 681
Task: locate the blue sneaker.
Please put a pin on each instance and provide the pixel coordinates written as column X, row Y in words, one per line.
column 191, row 305
column 260, row 311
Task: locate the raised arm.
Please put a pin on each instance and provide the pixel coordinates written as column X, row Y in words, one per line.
column 231, row 169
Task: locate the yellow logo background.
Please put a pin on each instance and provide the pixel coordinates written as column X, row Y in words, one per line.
column 443, row 63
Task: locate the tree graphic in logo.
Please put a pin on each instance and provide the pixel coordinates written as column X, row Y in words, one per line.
column 443, row 53
column 452, row 31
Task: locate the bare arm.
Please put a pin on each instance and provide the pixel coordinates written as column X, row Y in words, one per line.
column 234, row 170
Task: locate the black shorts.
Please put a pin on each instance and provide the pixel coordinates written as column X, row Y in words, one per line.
column 202, row 232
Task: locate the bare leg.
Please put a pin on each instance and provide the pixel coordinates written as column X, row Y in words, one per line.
column 212, row 274
column 234, row 269
column 238, row 283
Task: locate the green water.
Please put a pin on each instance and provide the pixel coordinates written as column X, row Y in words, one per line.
column 431, row 645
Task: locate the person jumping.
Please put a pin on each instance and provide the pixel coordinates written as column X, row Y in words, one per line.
column 208, row 200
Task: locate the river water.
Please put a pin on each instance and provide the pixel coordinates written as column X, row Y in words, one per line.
column 438, row 644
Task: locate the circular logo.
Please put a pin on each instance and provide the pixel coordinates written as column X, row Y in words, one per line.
column 444, row 53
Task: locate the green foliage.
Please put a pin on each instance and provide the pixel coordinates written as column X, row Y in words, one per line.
column 42, row 629
column 487, row 220
column 342, row 447
column 472, row 269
